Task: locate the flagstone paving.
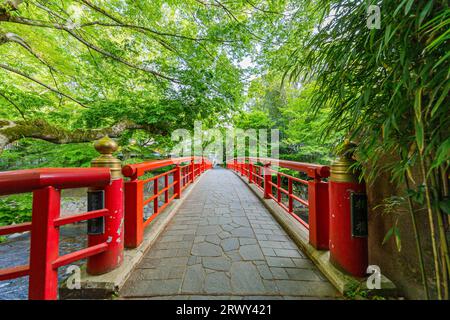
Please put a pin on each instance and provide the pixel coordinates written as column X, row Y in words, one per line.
column 223, row 243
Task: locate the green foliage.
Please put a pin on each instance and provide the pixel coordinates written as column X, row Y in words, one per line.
column 388, row 90
column 356, row 291
column 163, row 63
column 15, row 209
column 288, row 109
column 29, row 153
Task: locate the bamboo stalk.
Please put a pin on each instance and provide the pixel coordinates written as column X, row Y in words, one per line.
column 418, row 244
column 442, row 235
column 431, row 225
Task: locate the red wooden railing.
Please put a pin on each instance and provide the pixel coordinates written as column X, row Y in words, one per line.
column 44, row 256
column 317, row 195
column 135, row 202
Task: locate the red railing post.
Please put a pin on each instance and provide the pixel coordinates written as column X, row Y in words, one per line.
column 114, row 221
column 348, row 215
column 250, row 173
column 267, row 181
column 43, row 282
column 177, row 181
column 134, row 213
column 278, row 187
column 290, row 192
column 166, row 184
column 155, row 192
column 319, row 214
column 192, row 170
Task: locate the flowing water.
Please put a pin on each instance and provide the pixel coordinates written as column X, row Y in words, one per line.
column 15, row 251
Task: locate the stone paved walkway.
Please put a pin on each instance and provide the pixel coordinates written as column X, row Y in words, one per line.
column 223, row 243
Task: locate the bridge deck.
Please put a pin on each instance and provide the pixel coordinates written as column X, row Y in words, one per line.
column 224, row 243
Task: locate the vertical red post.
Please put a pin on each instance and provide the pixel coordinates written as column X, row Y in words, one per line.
column 43, row 283
column 134, row 213
column 192, row 170
column 114, row 220
column 155, row 192
column 347, row 251
column 177, row 181
column 279, row 187
column 267, row 181
column 319, row 214
column 348, row 215
column 166, row 184
column 290, row 192
column 250, row 173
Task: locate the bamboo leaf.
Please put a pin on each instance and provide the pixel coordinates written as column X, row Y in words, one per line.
column 420, row 140
column 408, row 6
column 410, row 175
column 399, row 7
column 388, row 235
column 425, row 11
column 445, row 206
column 418, row 104
column 442, row 154
column 398, row 241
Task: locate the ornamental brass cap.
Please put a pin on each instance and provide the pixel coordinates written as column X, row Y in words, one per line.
column 106, row 147
column 340, row 170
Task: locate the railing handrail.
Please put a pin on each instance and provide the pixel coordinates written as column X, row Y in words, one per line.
column 311, row 169
column 139, row 169
column 21, row 181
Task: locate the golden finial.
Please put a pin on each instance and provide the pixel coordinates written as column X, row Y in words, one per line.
column 341, row 170
column 106, row 147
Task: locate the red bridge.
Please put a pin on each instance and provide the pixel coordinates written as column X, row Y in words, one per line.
column 250, row 230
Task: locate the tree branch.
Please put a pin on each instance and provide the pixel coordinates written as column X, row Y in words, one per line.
column 20, row 73
column 45, row 24
column 11, row 131
column 13, row 104
column 12, row 37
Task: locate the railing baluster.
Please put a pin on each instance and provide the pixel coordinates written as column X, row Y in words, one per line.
column 290, row 193
column 155, row 192
column 192, row 171
column 177, row 180
column 267, row 181
column 134, row 213
column 44, row 249
column 166, row 184
column 278, row 187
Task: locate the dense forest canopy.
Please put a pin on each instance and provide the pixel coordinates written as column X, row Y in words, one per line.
column 70, row 68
